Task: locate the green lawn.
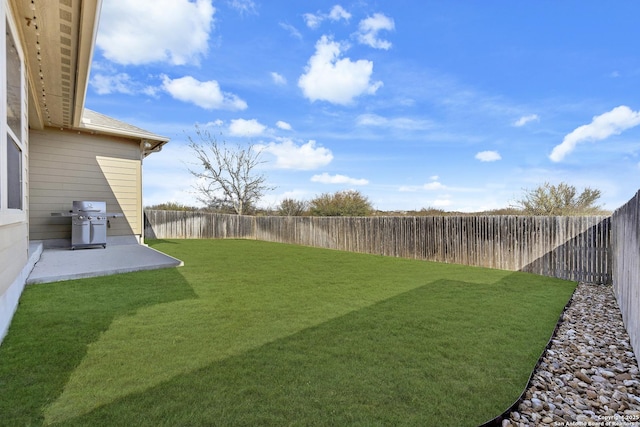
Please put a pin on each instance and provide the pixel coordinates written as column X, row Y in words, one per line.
column 251, row 333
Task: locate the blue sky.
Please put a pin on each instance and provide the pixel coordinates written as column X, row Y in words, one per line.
column 457, row 105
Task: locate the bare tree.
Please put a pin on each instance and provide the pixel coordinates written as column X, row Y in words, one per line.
column 227, row 179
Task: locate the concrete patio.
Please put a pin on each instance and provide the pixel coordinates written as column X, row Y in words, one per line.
column 61, row 263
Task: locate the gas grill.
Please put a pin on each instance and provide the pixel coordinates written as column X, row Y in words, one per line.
column 89, row 220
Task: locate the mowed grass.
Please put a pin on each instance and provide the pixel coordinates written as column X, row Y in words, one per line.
column 252, row 333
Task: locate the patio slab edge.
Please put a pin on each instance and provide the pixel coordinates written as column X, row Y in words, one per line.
column 59, row 264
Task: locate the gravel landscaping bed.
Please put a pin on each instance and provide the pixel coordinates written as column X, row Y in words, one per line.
column 589, row 375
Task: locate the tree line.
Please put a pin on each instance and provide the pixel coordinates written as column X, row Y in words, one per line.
column 228, row 182
column 545, row 200
column 341, row 203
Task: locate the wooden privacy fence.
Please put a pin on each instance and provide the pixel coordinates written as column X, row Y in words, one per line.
column 625, row 241
column 572, row 248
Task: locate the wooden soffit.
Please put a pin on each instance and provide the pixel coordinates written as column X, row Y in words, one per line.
column 58, row 40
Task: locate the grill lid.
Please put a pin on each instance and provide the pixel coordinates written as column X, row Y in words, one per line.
column 89, row 206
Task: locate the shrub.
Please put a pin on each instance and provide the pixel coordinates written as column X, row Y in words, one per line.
column 171, row 206
column 292, row 207
column 341, row 203
column 561, row 200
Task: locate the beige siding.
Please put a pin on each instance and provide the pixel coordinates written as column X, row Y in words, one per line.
column 123, row 176
column 67, row 166
column 14, row 229
column 13, row 253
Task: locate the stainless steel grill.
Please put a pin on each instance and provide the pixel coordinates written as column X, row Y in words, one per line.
column 89, row 220
column 89, row 224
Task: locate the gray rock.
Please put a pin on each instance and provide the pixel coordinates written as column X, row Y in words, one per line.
column 583, row 377
column 623, row 376
column 536, row 404
column 589, row 371
column 607, row 374
column 506, row 423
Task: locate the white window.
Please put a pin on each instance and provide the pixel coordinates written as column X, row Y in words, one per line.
column 12, row 138
column 14, row 175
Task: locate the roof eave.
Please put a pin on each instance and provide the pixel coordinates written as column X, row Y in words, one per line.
column 127, row 134
column 89, row 23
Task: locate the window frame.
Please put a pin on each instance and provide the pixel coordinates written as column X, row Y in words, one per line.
column 7, row 135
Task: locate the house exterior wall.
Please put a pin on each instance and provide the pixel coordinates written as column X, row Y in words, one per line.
column 14, row 229
column 13, row 253
column 68, row 166
column 14, row 270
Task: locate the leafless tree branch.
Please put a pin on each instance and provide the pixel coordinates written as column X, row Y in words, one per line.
column 226, row 174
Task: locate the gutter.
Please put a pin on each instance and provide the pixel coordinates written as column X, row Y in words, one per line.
column 142, row 136
column 146, row 147
column 87, row 35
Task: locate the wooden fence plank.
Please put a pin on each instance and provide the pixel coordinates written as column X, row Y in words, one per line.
column 573, row 248
column 625, row 269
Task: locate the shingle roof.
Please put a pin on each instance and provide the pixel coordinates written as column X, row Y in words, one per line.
column 92, row 120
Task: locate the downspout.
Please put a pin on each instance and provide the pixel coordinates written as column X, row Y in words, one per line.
column 146, row 148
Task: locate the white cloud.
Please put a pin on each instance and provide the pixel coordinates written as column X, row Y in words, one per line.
column 613, row 122
column 430, row 186
column 146, row 31
column 203, row 94
column 397, row 123
column 105, row 84
column 526, row 119
column 325, row 178
column 441, row 203
column 215, row 123
column 117, row 83
column 242, row 127
column 313, row 20
column 339, row 81
column 244, row 6
column 488, row 156
column 302, row 157
column 278, row 78
column 371, row 26
column 435, row 185
column 272, row 200
column 408, row 188
column 293, row 31
column 166, row 177
column 337, row 13
column 283, row 125
column 151, row 90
